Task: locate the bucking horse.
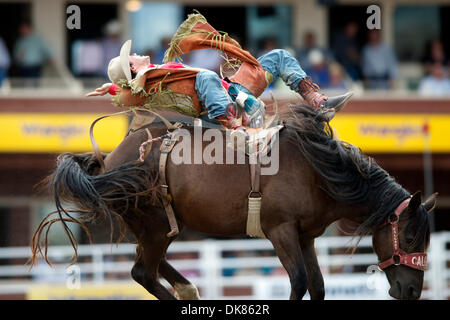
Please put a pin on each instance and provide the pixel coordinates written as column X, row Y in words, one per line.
column 320, row 180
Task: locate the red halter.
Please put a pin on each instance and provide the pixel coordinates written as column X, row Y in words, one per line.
column 413, row 260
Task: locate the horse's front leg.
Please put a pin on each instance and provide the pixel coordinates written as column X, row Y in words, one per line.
column 315, row 279
column 285, row 240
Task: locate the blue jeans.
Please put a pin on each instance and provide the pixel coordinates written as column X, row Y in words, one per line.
column 278, row 62
column 211, row 93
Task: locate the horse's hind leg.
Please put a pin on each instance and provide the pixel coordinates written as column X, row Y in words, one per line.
column 145, row 269
column 184, row 289
column 285, row 240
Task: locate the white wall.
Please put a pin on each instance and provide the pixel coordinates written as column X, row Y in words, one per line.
column 308, row 15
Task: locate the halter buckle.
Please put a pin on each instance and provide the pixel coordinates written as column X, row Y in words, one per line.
column 393, row 218
column 397, row 259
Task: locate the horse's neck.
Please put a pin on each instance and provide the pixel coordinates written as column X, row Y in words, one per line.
column 359, row 213
column 352, row 212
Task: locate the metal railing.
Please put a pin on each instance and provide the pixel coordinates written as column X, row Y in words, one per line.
column 224, row 269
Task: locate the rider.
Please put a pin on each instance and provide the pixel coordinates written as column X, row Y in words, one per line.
column 193, row 91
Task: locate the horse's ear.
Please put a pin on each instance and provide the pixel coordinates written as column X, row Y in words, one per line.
column 430, row 203
column 415, row 201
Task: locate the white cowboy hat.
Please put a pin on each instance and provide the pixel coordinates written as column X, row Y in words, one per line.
column 119, row 67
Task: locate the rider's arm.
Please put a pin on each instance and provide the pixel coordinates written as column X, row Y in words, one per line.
column 122, row 96
column 104, row 89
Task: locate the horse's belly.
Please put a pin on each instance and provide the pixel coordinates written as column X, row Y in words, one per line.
column 215, row 202
column 212, row 217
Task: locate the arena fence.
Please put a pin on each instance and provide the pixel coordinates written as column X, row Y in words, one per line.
column 221, row 269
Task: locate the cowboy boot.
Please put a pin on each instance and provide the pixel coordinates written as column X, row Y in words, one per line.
column 326, row 105
column 230, row 118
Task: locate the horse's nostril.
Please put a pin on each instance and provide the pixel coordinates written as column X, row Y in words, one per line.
column 395, row 290
column 412, row 293
column 410, row 290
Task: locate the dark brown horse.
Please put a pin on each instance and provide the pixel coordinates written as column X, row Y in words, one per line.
column 320, row 180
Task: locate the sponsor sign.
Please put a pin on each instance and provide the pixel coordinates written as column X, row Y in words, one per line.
column 108, row 291
column 60, row 132
column 376, row 133
column 395, row 133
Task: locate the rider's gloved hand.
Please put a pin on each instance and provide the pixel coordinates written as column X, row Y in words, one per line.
column 248, row 102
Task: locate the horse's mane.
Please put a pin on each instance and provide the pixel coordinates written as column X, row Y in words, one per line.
column 348, row 175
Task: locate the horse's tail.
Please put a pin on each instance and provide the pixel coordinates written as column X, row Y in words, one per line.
column 107, row 195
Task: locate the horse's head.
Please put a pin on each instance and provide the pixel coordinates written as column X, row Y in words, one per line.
column 400, row 245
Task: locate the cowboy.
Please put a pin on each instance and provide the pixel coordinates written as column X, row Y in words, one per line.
column 192, row 91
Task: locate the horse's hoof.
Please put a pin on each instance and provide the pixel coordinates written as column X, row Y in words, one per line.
column 186, row 292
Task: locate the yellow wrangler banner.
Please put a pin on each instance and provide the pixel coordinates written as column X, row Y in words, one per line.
column 395, row 133
column 377, row 133
column 108, row 291
column 59, row 132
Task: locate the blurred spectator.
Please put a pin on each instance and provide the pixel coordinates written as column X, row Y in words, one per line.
column 111, row 43
column 280, row 271
column 336, row 77
column 114, row 274
column 379, row 64
column 437, row 84
column 309, row 44
column 434, row 54
column 238, row 39
column 266, row 45
column 151, row 54
column 206, row 58
column 318, row 68
column 346, row 50
column 246, row 270
column 30, row 52
column 163, row 45
column 87, row 58
column 4, row 61
column 90, row 58
column 193, row 272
